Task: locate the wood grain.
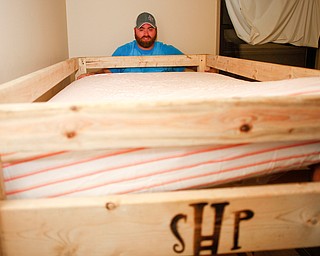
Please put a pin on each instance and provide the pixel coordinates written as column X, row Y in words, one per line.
column 50, row 126
column 30, row 87
column 87, row 63
column 260, row 71
column 284, row 216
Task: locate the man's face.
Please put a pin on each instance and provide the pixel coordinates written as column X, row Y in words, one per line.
column 146, row 35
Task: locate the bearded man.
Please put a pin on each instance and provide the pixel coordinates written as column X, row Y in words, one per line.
column 146, row 44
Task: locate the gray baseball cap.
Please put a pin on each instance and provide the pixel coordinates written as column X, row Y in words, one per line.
column 145, row 18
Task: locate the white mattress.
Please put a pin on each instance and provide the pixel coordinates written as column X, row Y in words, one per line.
column 177, row 86
column 136, row 170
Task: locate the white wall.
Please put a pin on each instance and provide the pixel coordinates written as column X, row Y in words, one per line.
column 98, row 27
column 33, row 35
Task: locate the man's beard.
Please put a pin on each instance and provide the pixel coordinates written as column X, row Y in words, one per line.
column 145, row 44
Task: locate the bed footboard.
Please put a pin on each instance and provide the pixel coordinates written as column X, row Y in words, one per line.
column 228, row 220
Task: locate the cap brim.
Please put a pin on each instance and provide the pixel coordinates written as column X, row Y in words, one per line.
column 147, row 23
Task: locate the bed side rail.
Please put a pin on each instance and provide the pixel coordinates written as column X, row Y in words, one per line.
column 2, row 197
column 53, row 126
column 257, row 70
column 30, row 87
column 87, row 63
column 230, row 220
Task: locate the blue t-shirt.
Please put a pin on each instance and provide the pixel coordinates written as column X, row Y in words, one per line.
column 132, row 49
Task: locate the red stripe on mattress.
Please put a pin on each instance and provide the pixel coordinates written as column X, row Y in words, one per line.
column 7, row 154
column 284, row 168
column 73, row 163
column 30, row 159
column 304, row 92
column 114, row 154
column 225, row 171
column 122, row 166
column 164, row 171
column 188, row 167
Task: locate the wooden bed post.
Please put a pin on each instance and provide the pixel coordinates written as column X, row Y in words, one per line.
column 202, row 63
column 2, row 197
column 82, row 67
column 2, row 188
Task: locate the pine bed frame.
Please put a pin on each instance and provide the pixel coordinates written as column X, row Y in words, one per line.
column 210, row 221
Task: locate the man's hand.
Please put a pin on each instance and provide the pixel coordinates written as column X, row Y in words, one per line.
column 84, row 75
column 102, row 71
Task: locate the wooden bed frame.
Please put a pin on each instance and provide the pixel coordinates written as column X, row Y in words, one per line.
column 198, row 222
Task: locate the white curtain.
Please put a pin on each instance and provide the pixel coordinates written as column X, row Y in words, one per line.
column 280, row 21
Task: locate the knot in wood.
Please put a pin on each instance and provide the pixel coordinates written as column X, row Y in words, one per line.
column 245, row 128
column 313, row 221
column 71, row 134
column 74, row 108
column 111, row 206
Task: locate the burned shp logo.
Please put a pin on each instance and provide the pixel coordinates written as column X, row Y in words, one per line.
column 198, row 238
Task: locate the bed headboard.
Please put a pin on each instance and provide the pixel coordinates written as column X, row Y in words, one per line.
column 260, row 71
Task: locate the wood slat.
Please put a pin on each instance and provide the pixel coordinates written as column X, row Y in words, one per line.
column 228, row 220
column 88, row 63
column 50, row 126
column 260, row 71
column 30, row 87
column 143, row 61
